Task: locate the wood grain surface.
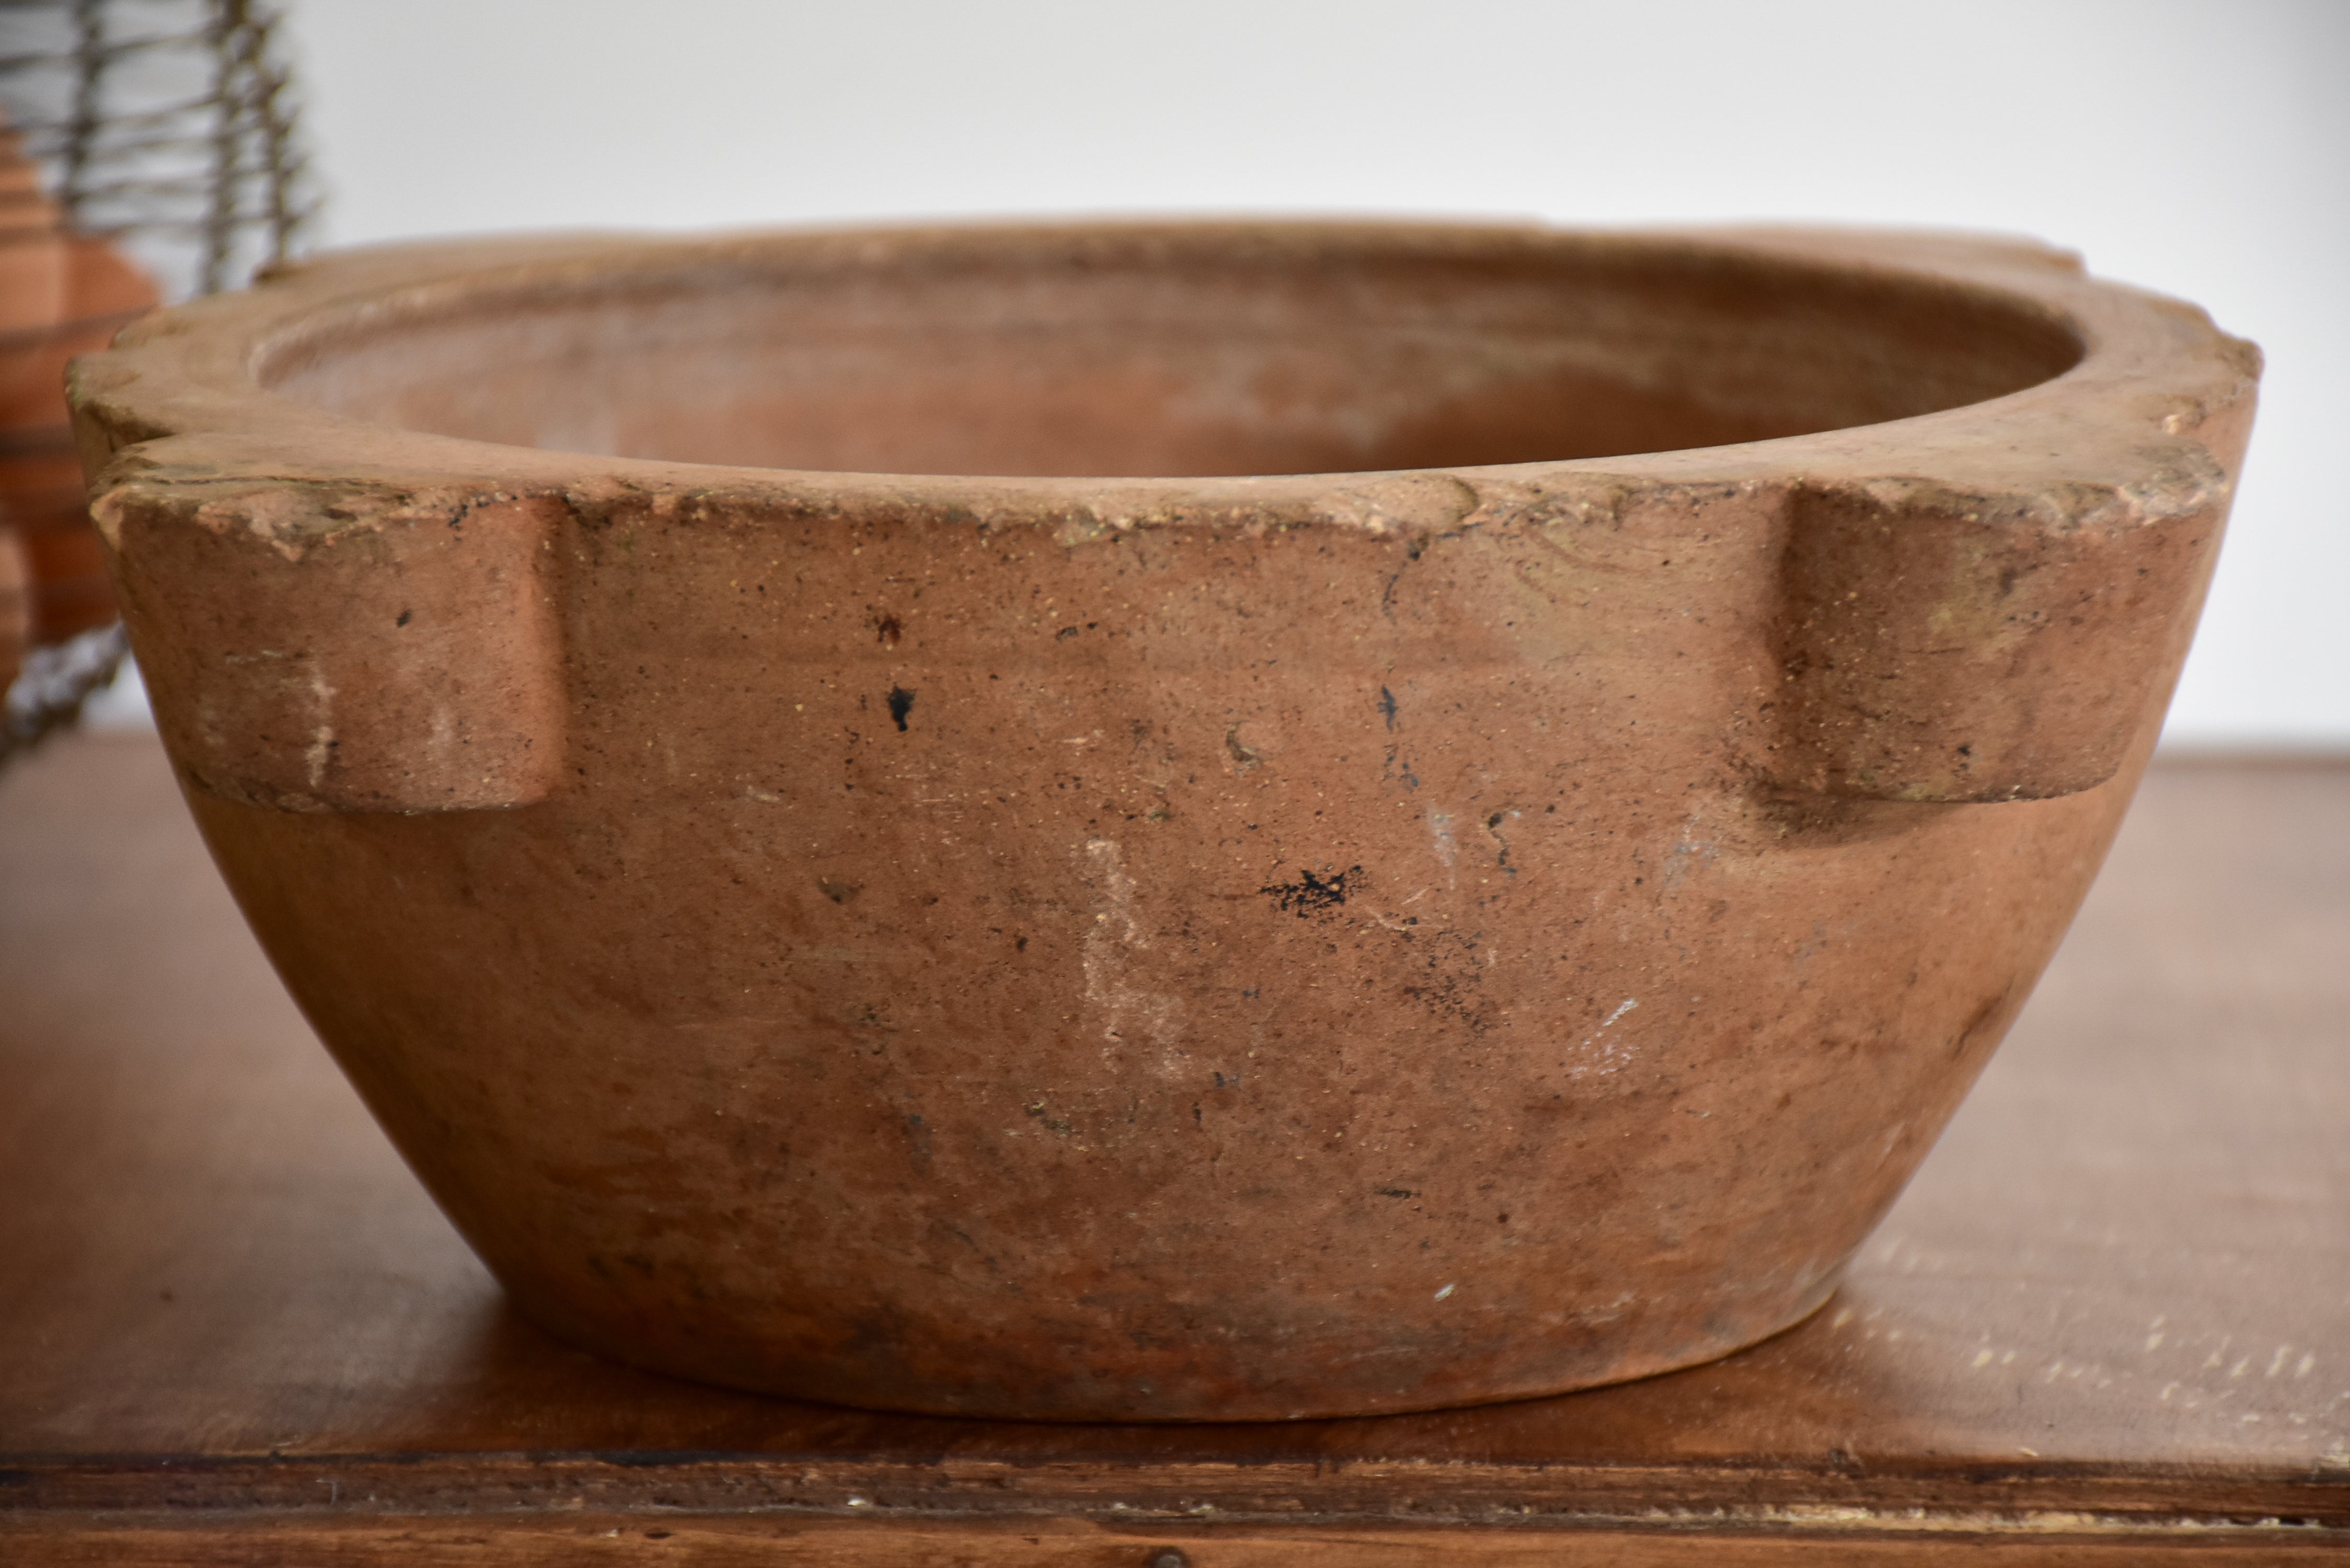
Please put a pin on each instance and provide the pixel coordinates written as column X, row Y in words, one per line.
column 2109, row 1321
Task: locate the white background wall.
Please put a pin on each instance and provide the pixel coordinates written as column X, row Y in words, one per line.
column 2201, row 147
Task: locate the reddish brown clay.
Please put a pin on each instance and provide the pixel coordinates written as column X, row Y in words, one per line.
column 61, row 295
column 1461, row 913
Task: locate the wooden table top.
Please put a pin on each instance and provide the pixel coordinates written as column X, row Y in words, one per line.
column 2111, row 1316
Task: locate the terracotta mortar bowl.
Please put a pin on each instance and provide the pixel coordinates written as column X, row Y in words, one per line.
column 830, row 903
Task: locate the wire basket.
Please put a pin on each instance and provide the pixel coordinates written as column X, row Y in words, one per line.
column 149, row 151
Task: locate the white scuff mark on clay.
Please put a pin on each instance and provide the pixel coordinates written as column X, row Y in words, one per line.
column 1439, row 833
column 1892, row 1142
column 322, row 733
column 1691, row 852
column 1445, row 1291
column 1112, row 936
column 1615, row 1053
column 444, row 739
column 1110, row 863
column 1606, row 1313
column 258, row 677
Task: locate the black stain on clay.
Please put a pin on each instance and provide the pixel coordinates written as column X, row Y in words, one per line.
column 902, row 703
column 1450, row 987
column 1388, row 706
column 1053, row 1125
column 1311, row 895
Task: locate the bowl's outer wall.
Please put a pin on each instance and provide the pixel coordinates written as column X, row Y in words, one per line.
column 1248, row 964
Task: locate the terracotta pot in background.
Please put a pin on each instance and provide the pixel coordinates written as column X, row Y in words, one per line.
column 60, row 295
column 41, row 493
column 31, row 295
column 15, row 607
column 32, row 253
column 829, row 904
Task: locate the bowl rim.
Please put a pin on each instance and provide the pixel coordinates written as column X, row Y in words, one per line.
column 184, row 393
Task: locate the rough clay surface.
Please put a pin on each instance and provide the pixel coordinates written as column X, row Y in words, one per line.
column 1169, row 947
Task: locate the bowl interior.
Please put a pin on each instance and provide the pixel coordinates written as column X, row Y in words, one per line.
column 1203, row 355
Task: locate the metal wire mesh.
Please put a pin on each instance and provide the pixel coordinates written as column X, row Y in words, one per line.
column 168, row 126
column 168, row 129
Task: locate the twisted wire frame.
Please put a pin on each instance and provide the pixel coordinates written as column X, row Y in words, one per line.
column 168, row 128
